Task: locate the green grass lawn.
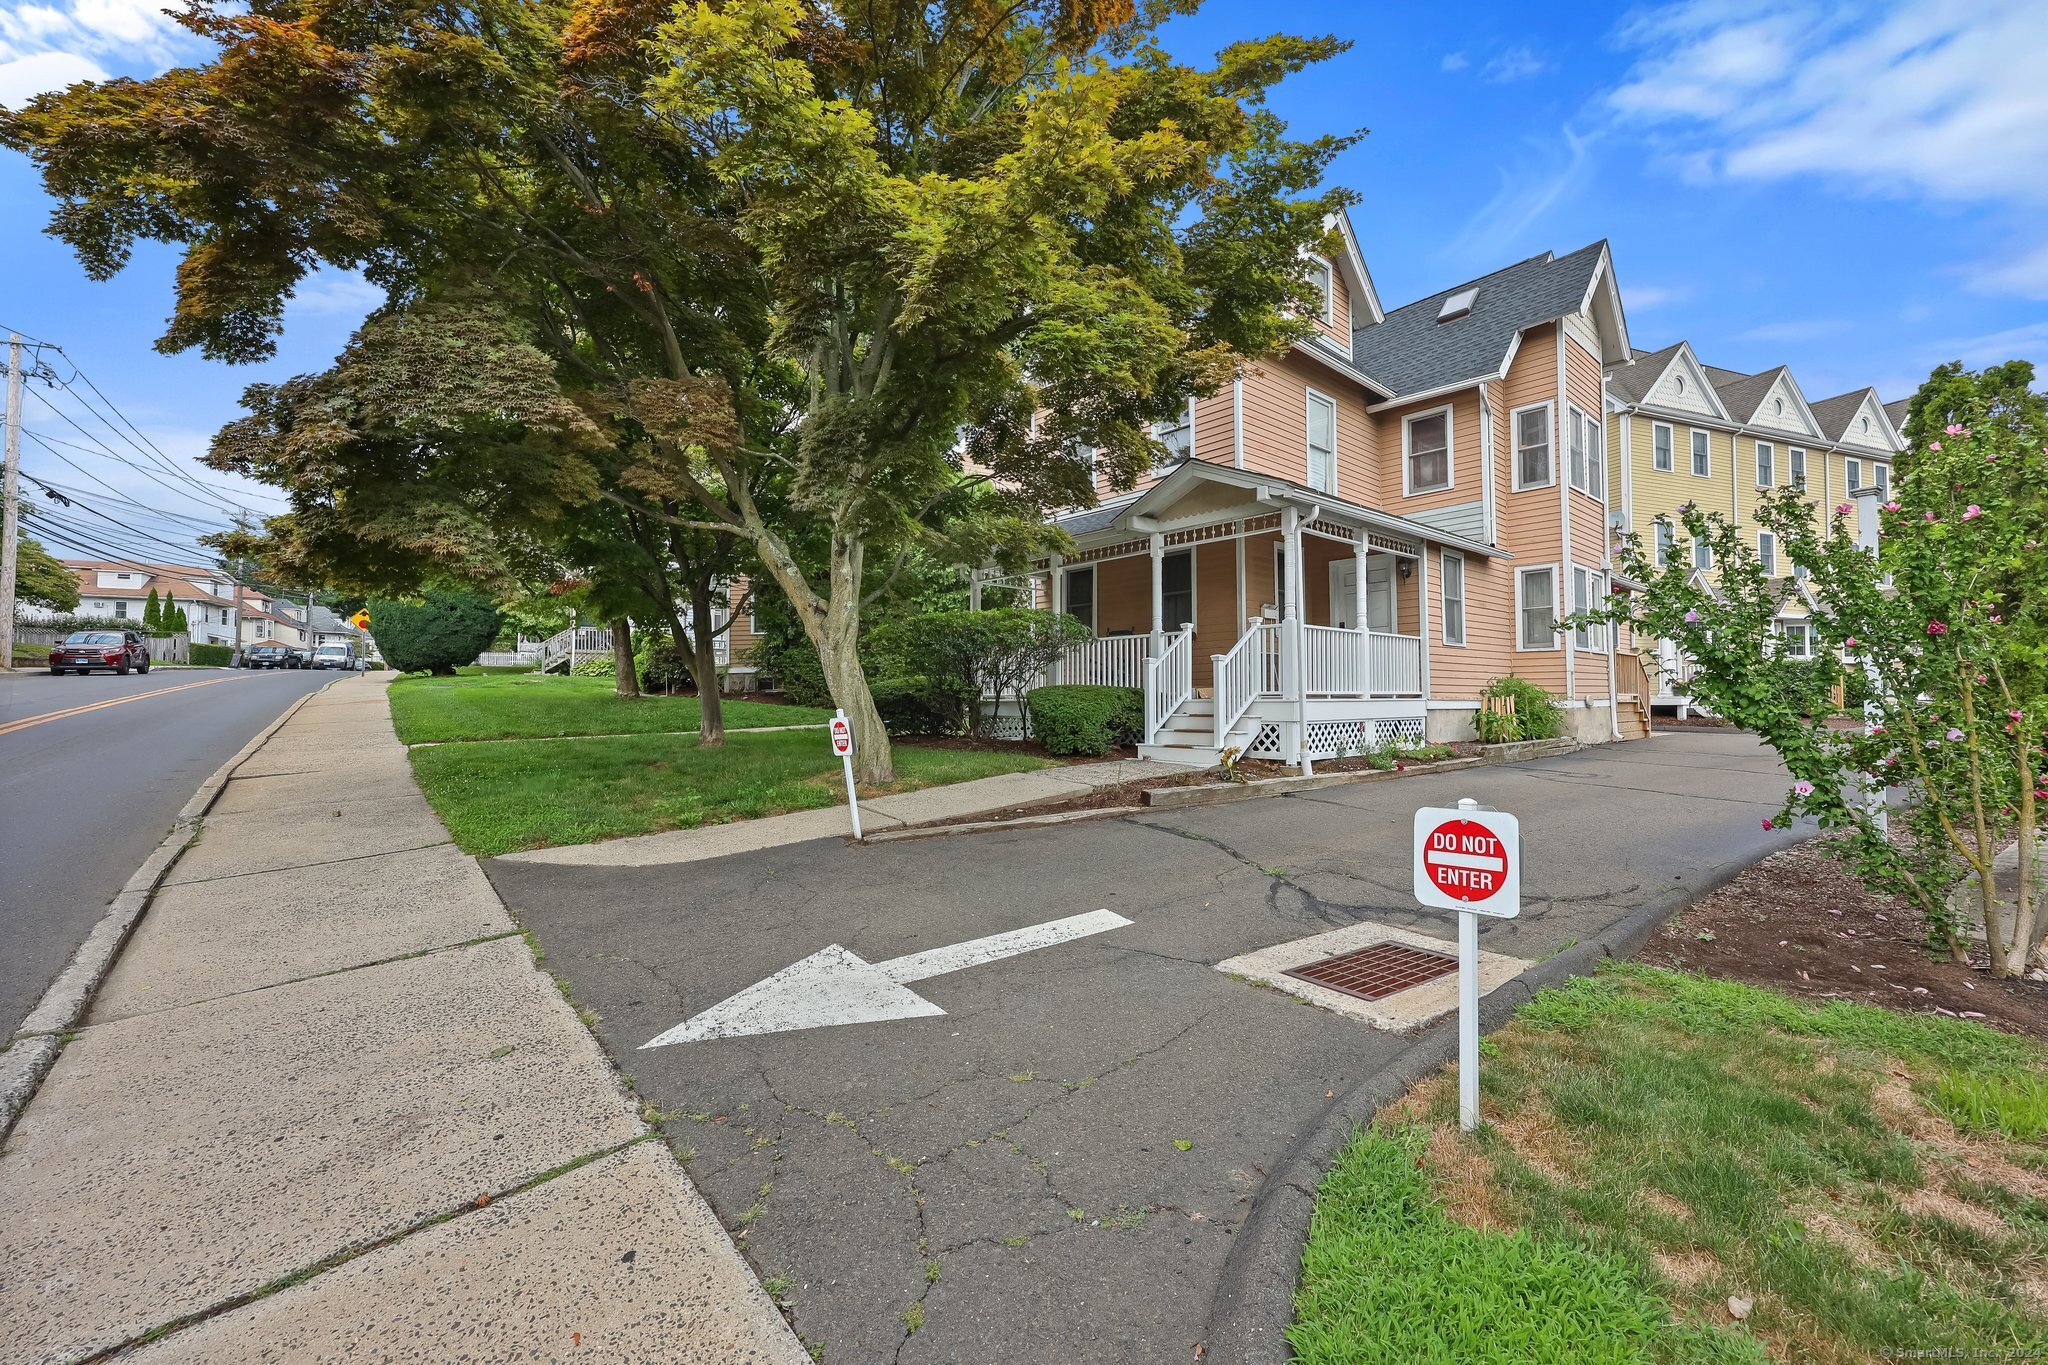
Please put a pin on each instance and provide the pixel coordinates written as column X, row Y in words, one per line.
column 538, row 706
column 497, row 798
column 1658, row 1143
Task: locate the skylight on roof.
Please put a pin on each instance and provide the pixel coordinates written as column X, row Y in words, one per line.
column 1457, row 305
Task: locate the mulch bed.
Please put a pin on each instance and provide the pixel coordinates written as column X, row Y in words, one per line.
column 1798, row 923
column 1689, row 723
column 1259, row 768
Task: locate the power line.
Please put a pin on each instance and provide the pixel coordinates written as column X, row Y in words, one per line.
column 151, row 451
column 101, row 448
column 61, row 535
column 81, row 505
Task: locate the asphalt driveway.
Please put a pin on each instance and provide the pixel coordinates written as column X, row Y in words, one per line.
column 1055, row 1167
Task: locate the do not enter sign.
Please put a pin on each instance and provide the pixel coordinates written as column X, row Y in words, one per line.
column 842, row 737
column 1468, row 860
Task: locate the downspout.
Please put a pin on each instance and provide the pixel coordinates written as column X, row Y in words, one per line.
column 1486, row 466
column 1237, row 422
column 1561, row 465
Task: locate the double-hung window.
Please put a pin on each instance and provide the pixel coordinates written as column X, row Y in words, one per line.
column 1427, row 436
column 1700, row 461
column 1795, row 467
column 1322, row 442
column 1080, row 596
column 1320, row 285
column 1660, row 448
column 1855, row 472
column 1767, row 553
column 1766, row 464
column 1585, row 585
column 1532, row 447
column 1177, row 589
column 1881, row 475
column 1702, row 555
column 1536, row 604
column 1453, row 580
column 1798, row 636
column 1588, row 467
column 1664, row 542
column 1177, row 437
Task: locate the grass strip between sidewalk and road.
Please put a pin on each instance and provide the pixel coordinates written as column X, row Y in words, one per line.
column 1678, row 1169
column 539, row 706
column 501, row 798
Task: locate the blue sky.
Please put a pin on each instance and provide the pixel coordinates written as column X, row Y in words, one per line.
column 1858, row 190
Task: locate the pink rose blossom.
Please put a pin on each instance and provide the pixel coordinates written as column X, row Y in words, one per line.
column 1767, row 824
column 1849, row 643
column 1930, row 516
column 1936, row 628
column 1892, row 507
column 1955, row 429
column 1972, row 512
column 1803, row 788
column 1691, row 617
column 1996, row 619
column 1954, row 734
column 1934, row 445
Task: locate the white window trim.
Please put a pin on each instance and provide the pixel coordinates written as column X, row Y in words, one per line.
column 1595, row 636
column 1696, row 435
column 1556, row 637
column 1309, row 400
column 1670, row 447
column 1783, row 628
column 1852, row 473
column 1881, row 475
column 1450, row 450
column 1663, row 542
column 1595, row 485
column 1464, row 602
column 1700, row 547
column 1770, row 568
column 1165, row 466
column 1194, row 605
column 1329, row 313
column 1795, row 466
column 1549, row 440
column 1757, row 457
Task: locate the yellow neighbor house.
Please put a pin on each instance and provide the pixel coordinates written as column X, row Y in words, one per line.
column 1680, row 431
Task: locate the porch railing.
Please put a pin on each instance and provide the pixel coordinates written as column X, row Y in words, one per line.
column 1396, row 664
column 1110, row 661
column 572, row 645
column 1241, row 675
column 1169, row 680
column 1334, row 660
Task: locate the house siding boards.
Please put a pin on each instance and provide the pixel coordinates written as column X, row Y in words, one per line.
column 1466, row 475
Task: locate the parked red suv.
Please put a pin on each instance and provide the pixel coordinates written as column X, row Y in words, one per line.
column 84, row 650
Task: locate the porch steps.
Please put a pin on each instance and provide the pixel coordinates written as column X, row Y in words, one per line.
column 1189, row 735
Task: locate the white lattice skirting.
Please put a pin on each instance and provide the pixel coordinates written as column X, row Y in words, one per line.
column 1338, row 738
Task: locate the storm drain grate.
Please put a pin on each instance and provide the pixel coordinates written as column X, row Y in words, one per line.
column 1376, row 971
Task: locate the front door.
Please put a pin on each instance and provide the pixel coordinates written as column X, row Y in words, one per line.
column 1379, row 592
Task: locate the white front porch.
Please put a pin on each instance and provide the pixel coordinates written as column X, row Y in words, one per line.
column 1273, row 624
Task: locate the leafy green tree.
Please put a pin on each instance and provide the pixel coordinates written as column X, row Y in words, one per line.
column 1997, row 397
column 819, row 260
column 438, row 633
column 1945, row 625
column 170, row 617
column 153, row 614
column 40, row 580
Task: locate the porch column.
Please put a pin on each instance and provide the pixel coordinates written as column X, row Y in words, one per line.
column 1293, row 674
column 974, row 590
column 1058, row 592
column 1361, row 554
column 1158, row 547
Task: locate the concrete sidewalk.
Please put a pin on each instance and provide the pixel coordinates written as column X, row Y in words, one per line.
column 952, row 801
column 326, row 1107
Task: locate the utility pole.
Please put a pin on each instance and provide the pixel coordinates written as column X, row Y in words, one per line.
column 10, row 502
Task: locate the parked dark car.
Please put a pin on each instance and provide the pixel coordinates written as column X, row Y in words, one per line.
column 82, row 651
column 272, row 656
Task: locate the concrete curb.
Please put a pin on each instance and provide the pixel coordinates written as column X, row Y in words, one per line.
column 1254, row 1301
column 1522, row 750
column 982, row 826
column 1223, row 793
column 65, row 1002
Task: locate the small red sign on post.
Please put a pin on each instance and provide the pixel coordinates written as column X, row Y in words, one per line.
column 842, row 737
column 842, row 747
column 1465, row 861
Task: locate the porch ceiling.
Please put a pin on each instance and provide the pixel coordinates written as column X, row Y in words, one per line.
column 1199, row 494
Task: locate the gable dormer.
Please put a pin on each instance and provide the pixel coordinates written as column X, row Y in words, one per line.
column 1683, row 387
column 1870, row 429
column 1783, row 409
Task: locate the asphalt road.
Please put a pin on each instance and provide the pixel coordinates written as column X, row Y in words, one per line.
column 84, row 798
column 1056, row 1166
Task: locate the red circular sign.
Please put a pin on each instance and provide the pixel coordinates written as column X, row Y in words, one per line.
column 1465, row 861
column 842, row 737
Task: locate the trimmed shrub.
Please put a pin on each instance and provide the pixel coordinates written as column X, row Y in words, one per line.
column 153, row 614
column 663, row 666
column 597, row 666
column 212, row 656
column 801, row 675
column 958, row 653
column 1536, row 715
column 1085, row 721
column 437, row 634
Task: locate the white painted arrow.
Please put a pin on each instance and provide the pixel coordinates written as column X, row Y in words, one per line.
column 833, row 986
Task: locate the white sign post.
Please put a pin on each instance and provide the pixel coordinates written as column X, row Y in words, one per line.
column 1468, row 860
column 842, row 744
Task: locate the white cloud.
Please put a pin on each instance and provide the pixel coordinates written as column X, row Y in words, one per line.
column 2024, row 273
column 134, row 37
column 1644, row 298
column 1518, row 63
column 331, row 291
column 23, row 78
column 1805, row 329
column 1935, row 97
column 1527, row 192
column 1454, row 61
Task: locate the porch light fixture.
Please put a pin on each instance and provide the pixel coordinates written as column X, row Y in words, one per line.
column 1405, row 568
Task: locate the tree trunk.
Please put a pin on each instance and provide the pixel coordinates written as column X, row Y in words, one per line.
column 704, row 664
column 833, row 626
column 628, row 681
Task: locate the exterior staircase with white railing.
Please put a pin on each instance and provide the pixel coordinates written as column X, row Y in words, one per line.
column 1189, row 735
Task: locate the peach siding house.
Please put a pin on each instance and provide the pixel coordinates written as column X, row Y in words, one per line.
column 1359, row 534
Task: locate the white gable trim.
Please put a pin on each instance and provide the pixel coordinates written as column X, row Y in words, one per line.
column 1684, row 362
column 1883, row 440
column 1797, row 418
column 1602, row 303
column 1356, row 277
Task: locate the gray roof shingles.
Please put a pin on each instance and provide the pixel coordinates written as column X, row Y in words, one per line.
column 1742, row 394
column 1896, row 410
column 1631, row 383
column 1412, row 352
column 1834, row 414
